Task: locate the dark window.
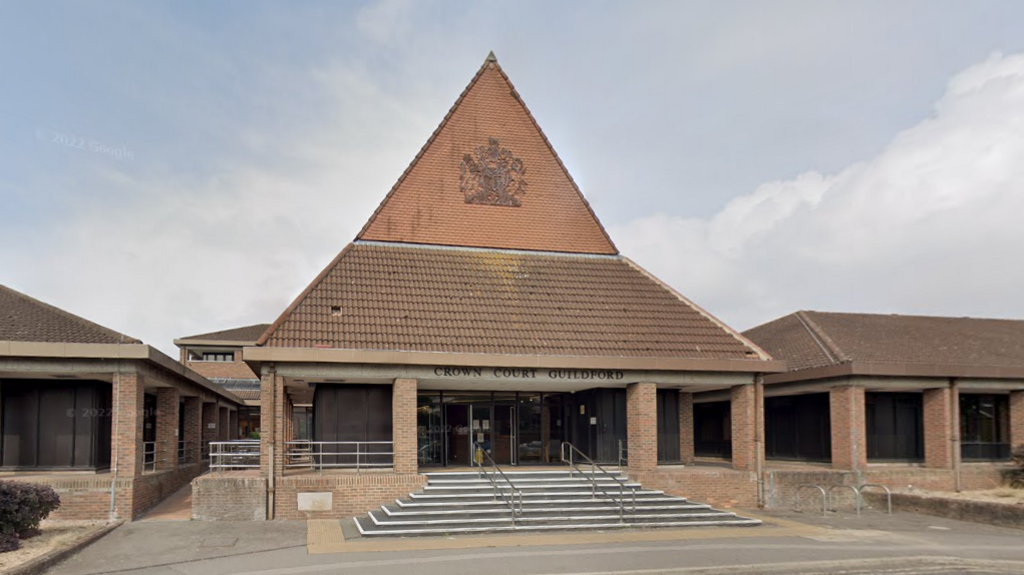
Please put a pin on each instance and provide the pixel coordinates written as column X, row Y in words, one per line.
column 712, row 429
column 668, row 426
column 984, row 427
column 219, row 356
column 798, row 427
column 56, row 425
column 895, row 426
column 353, row 413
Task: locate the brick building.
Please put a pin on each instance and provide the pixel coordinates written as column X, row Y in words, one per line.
column 217, row 356
column 934, row 402
column 112, row 424
column 483, row 313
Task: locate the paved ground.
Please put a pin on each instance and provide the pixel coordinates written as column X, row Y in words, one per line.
column 797, row 543
column 177, row 507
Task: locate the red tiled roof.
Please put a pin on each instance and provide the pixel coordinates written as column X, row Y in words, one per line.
column 25, row 319
column 808, row 339
column 379, row 296
column 246, row 333
column 427, row 205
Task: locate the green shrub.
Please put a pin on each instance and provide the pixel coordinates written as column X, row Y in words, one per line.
column 23, row 506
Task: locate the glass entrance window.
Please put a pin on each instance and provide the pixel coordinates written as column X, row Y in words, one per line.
column 531, row 448
column 984, row 426
column 430, row 431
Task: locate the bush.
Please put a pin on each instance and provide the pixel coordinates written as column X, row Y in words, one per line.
column 23, row 506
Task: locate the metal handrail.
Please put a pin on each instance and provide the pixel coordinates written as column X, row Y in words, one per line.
column 593, row 478
column 856, row 496
column 148, row 456
column 888, row 494
column 824, row 497
column 238, row 454
column 303, row 453
column 477, row 448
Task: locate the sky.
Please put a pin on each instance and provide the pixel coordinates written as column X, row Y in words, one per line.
column 174, row 168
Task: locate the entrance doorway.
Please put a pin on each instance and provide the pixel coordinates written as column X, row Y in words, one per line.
column 518, row 428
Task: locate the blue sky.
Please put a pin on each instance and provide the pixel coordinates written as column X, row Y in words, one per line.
column 175, row 168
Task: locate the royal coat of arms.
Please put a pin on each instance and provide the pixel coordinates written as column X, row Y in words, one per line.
column 492, row 176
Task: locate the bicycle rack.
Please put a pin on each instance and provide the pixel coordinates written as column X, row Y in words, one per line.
column 824, row 497
column 888, row 494
column 856, row 496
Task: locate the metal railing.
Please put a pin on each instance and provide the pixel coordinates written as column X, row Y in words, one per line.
column 148, row 456
column 231, row 455
column 595, row 485
column 623, row 453
column 320, row 455
column 479, row 454
column 204, row 451
column 184, row 451
column 824, row 497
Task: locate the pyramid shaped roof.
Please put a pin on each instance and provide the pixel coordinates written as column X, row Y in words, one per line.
column 488, row 177
column 486, row 247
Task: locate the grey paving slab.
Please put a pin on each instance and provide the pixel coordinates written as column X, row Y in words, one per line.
column 916, row 545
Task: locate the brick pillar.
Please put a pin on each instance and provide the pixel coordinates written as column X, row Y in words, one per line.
column 223, row 424
column 126, row 433
column 642, row 426
column 193, row 428
column 1016, row 419
column 167, row 405
column 403, row 425
column 268, row 394
column 210, row 416
column 938, row 416
column 233, row 424
column 743, row 422
column 686, row 427
column 849, row 444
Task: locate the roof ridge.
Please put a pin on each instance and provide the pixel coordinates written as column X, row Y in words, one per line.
column 489, row 61
column 822, row 338
column 125, row 339
column 762, row 354
column 219, row 331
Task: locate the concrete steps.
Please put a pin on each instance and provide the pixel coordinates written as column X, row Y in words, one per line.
column 465, row 502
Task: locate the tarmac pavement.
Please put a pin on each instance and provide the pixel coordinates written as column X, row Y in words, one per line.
column 796, row 543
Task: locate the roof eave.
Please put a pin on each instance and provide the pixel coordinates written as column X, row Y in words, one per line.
column 897, row 370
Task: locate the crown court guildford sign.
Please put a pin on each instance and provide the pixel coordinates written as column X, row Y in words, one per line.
column 521, row 373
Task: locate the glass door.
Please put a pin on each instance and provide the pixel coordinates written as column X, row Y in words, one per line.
column 528, row 435
column 504, row 434
column 481, row 430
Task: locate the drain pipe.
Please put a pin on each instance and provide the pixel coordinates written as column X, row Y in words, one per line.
column 954, row 431
column 759, row 438
column 117, row 446
column 273, row 439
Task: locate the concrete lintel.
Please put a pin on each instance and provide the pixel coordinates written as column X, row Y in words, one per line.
column 505, row 376
column 257, row 355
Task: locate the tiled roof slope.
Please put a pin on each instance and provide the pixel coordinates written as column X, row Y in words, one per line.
column 247, row 333
column 378, row 296
column 26, row 319
column 815, row 339
column 427, row 206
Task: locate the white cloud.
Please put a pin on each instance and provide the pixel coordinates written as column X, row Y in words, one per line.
column 931, row 225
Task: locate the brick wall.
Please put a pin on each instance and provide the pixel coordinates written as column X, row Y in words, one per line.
column 223, row 424
column 686, row 427
column 229, row 498
column 167, row 405
column 744, row 427
column 352, row 494
column 192, row 434
column 403, row 425
column 849, row 445
column 236, row 369
column 642, row 426
column 781, row 486
column 210, row 415
column 1017, row 418
column 128, row 397
column 153, row 488
column 716, row 486
column 938, row 433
